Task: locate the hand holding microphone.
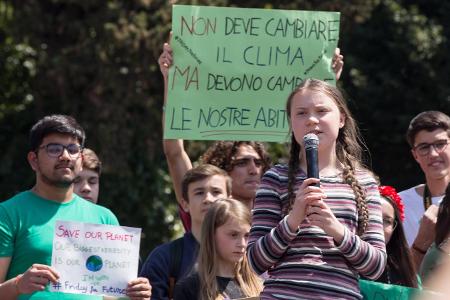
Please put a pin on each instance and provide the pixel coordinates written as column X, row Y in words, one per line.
column 309, row 191
column 307, row 194
column 317, row 211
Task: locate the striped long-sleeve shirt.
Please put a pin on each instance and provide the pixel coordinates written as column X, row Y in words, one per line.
column 308, row 264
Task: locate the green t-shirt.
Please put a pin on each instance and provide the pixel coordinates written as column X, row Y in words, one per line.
column 27, row 224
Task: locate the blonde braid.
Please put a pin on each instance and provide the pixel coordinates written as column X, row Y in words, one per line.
column 360, row 195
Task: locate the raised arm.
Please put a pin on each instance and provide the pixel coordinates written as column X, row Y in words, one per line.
column 337, row 63
column 177, row 159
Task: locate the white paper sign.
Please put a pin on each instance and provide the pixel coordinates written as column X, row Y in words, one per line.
column 94, row 259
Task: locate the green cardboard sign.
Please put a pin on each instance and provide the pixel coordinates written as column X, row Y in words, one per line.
column 234, row 69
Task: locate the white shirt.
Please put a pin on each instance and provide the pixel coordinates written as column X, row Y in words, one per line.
column 414, row 211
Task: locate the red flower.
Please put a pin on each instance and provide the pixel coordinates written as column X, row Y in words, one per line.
column 391, row 193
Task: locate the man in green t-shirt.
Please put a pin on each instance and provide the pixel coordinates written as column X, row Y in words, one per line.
column 27, row 219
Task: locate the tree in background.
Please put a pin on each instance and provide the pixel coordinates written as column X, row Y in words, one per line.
column 96, row 60
column 395, row 69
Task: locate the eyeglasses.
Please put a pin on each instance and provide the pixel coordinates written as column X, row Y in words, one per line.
column 56, row 150
column 389, row 223
column 242, row 162
column 425, row 148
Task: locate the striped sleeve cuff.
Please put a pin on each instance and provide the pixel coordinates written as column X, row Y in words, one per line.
column 285, row 232
column 346, row 245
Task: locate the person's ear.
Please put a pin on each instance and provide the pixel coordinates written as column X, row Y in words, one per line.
column 185, row 205
column 33, row 160
column 341, row 121
column 416, row 157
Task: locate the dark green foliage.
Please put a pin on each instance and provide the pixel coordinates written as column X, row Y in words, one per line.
column 96, row 60
column 392, row 74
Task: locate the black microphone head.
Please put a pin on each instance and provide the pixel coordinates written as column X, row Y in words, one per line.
column 310, row 141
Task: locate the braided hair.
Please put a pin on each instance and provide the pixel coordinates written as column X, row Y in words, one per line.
column 348, row 149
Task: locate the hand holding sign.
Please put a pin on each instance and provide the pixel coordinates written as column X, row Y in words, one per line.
column 337, row 63
column 36, row 278
column 139, row 289
column 165, row 60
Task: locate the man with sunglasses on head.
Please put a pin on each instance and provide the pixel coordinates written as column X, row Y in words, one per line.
column 27, row 220
column 428, row 135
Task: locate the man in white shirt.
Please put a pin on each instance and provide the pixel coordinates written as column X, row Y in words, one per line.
column 428, row 135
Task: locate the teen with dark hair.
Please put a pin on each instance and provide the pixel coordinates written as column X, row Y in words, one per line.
column 400, row 268
column 27, row 220
column 428, row 136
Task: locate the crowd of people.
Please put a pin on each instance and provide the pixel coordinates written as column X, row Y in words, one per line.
column 253, row 229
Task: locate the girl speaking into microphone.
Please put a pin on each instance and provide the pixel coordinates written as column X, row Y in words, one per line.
column 314, row 241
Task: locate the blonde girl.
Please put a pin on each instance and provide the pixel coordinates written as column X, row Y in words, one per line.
column 223, row 271
column 316, row 241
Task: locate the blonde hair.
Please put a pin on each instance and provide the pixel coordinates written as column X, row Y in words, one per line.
column 348, row 148
column 218, row 214
column 91, row 161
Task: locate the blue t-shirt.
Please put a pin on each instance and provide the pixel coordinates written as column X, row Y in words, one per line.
column 157, row 265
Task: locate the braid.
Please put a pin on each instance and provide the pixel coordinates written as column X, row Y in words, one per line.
column 292, row 171
column 360, row 195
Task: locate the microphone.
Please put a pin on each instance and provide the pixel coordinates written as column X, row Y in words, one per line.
column 311, row 144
